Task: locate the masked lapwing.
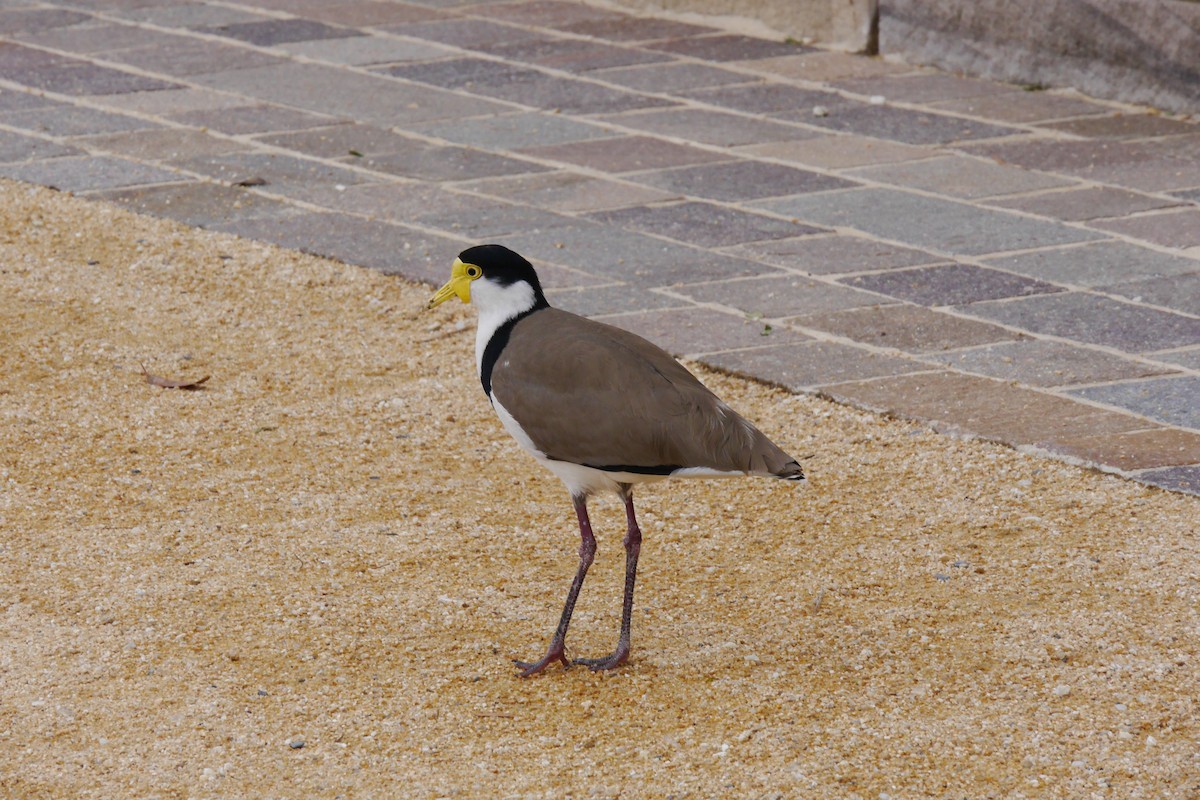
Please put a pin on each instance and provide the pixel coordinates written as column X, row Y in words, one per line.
column 601, row 408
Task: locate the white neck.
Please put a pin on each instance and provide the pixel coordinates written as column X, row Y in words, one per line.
column 497, row 305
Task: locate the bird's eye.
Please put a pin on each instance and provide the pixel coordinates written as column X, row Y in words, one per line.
column 473, row 271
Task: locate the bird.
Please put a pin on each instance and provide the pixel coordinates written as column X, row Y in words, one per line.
column 602, row 408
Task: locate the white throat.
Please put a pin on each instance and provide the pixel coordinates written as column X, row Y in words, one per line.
column 497, row 305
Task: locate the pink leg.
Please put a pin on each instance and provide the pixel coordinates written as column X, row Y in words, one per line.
column 558, row 644
column 633, row 546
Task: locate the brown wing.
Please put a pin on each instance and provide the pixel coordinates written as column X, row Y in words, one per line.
column 592, row 394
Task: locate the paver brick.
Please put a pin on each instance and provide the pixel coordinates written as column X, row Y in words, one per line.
column 926, row 222
column 727, row 47
column 953, row 284
column 86, row 173
column 1179, row 479
column 741, row 180
column 1177, row 292
column 1042, row 362
column 568, row 191
column 1085, row 203
column 691, row 331
column 913, row 329
column 900, row 124
column 811, row 366
column 1135, row 450
column 704, row 224
column 1093, row 319
column 1095, row 264
column 830, row 255
column 1170, row 399
column 775, row 296
column 670, row 77
column 627, row 154
column 988, row 408
column 1178, row 228
column 959, row 176
column 710, row 127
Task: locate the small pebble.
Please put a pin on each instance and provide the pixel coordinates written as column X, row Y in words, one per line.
column 820, row 111
column 1062, row 690
column 877, row 100
column 296, row 744
column 942, row 577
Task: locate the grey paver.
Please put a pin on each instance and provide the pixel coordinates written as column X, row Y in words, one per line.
column 380, row 245
column 691, row 331
column 958, row 176
column 162, row 144
column 741, row 180
column 1039, row 362
column 281, row 174
column 777, row 296
column 20, row 148
column 900, row 124
column 631, row 257
column 1172, row 228
column 1097, row 264
column 1093, row 319
column 1123, row 126
column 703, row 223
column 268, row 32
column 62, row 120
column 185, row 57
column 568, row 191
column 810, row 366
column 520, row 130
column 925, row 88
column 489, row 220
column 633, row 29
column 1179, row 479
column 955, row 228
column 671, row 77
column 616, row 299
column 1024, row 107
column 573, row 55
column 445, row 163
column 1089, row 202
column 83, row 173
column 710, row 127
column 200, row 204
column 1171, row 400
column 1189, row 358
column 329, row 90
column 253, row 119
column 913, row 329
column 619, row 154
column 764, row 98
column 829, row 255
column 949, row 285
column 727, row 47
column 365, row 50
column 1177, row 292
column 84, row 78
column 550, row 93
column 837, row 152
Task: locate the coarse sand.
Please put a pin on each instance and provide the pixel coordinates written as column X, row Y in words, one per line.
column 309, row 578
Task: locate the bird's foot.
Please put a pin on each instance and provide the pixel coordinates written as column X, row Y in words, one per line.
column 556, row 653
column 611, row 661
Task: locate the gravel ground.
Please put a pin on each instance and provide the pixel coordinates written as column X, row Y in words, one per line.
column 309, row 577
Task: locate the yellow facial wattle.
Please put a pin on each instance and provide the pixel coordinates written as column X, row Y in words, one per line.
column 459, row 284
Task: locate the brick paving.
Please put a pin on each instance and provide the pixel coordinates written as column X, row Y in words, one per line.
column 1021, row 266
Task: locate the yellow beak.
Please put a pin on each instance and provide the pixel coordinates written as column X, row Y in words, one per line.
column 459, row 284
